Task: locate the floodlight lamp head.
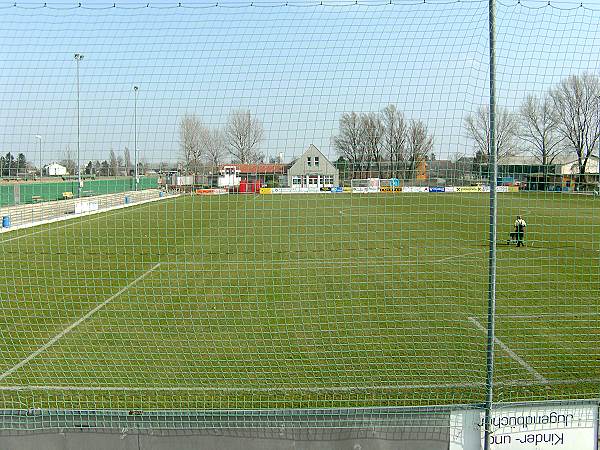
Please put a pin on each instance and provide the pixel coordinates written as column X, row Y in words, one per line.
column 135, row 88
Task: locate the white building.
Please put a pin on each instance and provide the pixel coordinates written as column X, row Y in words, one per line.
column 55, row 170
column 313, row 171
column 572, row 168
column 229, row 177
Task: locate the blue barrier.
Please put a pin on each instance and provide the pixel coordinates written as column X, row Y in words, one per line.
column 5, row 221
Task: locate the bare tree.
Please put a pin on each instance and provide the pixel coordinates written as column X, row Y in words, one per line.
column 478, row 129
column 539, row 130
column 243, row 135
column 371, row 135
column 348, row 143
column 68, row 162
column 143, row 165
column 114, row 163
column 127, row 161
column 394, row 139
column 189, row 139
column 214, row 146
column 419, row 144
column 576, row 108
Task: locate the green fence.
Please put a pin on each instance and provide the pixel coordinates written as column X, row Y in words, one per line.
column 43, row 192
column 7, row 195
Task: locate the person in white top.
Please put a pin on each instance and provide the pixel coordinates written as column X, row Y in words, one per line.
column 520, row 226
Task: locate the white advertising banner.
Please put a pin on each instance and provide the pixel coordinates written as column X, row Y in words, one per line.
column 415, row 189
column 538, row 426
column 84, row 207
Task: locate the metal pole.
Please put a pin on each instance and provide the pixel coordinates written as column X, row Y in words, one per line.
column 598, row 124
column 493, row 169
column 37, row 136
column 78, row 57
column 135, row 146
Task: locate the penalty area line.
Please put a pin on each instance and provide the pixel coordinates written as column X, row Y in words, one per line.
column 215, row 389
column 316, row 389
column 538, row 377
column 75, row 324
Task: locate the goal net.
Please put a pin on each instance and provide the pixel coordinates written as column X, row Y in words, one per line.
column 127, row 284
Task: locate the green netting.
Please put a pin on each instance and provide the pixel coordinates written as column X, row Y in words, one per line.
column 43, row 192
column 7, row 195
column 360, row 277
column 34, row 192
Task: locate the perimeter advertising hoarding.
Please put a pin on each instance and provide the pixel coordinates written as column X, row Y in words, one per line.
column 415, row 189
column 539, row 426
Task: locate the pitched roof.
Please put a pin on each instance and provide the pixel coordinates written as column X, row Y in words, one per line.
column 259, row 168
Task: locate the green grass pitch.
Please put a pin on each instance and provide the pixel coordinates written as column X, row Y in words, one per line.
column 300, row 301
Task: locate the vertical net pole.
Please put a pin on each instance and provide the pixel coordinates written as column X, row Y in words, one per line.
column 135, row 145
column 493, row 176
column 78, row 58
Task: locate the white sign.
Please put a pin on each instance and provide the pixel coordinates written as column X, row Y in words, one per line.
column 84, row 207
column 535, row 427
column 415, row 189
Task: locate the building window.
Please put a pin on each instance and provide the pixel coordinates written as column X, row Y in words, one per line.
column 313, row 179
column 316, row 161
column 309, row 161
column 297, row 181
column 328, row 180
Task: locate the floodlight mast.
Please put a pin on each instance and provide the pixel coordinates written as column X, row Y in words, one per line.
column 38, row 137
column 135, row 145
column 78, row 58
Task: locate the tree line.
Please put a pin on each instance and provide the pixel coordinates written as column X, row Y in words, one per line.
column 202, row 145
column 384, row 142
column 11, row 166
column 115, row 165
column 563, row 120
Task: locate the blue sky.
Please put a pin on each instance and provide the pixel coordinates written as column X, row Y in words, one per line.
column 297, row 68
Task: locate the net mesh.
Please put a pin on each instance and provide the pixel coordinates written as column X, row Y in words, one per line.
column 309, row 225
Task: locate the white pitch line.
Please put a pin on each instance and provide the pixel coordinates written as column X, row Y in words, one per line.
column 320, row 261
column 511, row 353
column 546, row 315
column 75, row 324
column 290, row 389
column 243, row 389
